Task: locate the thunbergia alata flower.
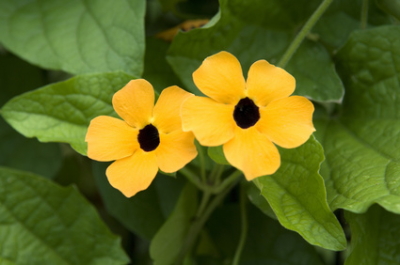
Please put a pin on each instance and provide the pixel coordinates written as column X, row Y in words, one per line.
column 149, row 137
column 248, row 117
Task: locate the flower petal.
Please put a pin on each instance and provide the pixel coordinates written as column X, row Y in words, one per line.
column 166, row 114
column 252, row 152
column 109, row 139
column 221, row 78
column 266, row 82
column 176, row 149
column 212, row 123
column 133, row 174
column 134, row 103
column 288, row 121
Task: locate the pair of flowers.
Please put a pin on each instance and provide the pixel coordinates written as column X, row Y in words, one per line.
column 247, row 117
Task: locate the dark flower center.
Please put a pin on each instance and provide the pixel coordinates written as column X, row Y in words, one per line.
column 148, row 138
column 246, row 113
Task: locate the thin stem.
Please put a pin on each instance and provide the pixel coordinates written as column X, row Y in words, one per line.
column 193, row 178
column 226, row 182
column 202, row 162
column 198, row 223
column 243, row 234
column 216, row 174
column 364, row 14
column 204, row 201
column 303, row 33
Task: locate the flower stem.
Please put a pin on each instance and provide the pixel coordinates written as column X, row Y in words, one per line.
column 202, row 162
column 364, row 14
column 226, row 182
column 204, row 201
column 303, row 32
column 199, row 222
column 216, row 174
column 243, row 234
column 193, row 178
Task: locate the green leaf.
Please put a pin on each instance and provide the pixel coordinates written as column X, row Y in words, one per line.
column 168, row 241
column 267, row 241
column 375, row 237
column 28, row 154
column 61, row 112
column 296, row 193
column 42, row 223
column 362, row 148
column 145, row 212
column 251, row 35
column 216, row 153
column 77, row 36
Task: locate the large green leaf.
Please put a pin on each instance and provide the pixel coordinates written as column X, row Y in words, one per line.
column 77, row 36
column 362, row 148
column 170, row 239
column 61, row 112
column 296, row 193
column 145, row 212
column 257, row 29
column 42, row 223
column 375, row 237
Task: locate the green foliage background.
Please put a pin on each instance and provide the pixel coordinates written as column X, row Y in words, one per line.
column 335, row 200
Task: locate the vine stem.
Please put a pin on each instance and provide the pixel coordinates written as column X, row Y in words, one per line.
column 203, row 204
column 199, row 222
column 216, row 173
column 364, row 14
column 226, row 182
column 303, row 33
column 192, row 177
column 243, row 234
column 202, row 162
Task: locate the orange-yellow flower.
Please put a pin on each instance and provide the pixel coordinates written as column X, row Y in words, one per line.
column 248, row 116
column 147, row 139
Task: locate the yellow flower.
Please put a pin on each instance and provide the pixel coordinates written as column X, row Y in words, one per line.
column 248, row 116
column 147, row 139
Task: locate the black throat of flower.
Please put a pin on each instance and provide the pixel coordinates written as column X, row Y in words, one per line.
column 148, row 138
column 246, row 113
